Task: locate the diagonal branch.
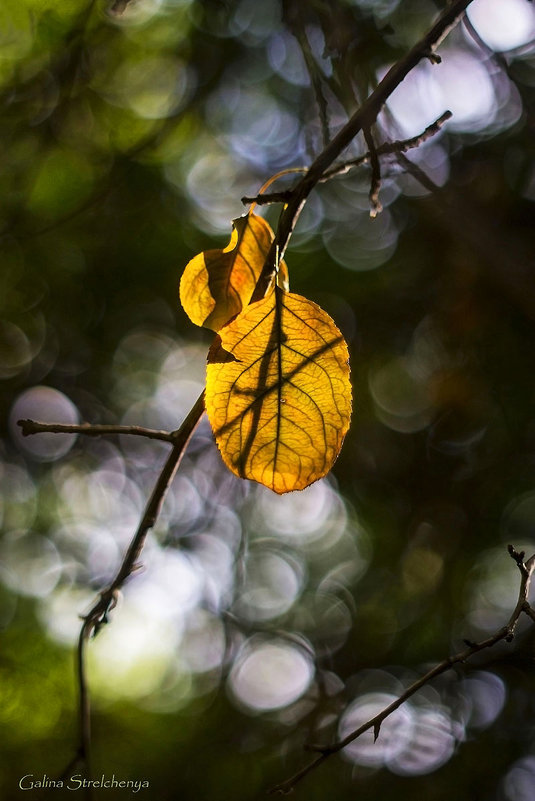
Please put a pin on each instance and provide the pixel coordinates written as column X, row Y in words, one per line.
column 506, row 633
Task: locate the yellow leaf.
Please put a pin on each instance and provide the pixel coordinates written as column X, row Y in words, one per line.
column 278, row 395
column 217, row 284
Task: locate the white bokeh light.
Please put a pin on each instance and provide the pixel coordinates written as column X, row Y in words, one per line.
column 395, row 733
column 270, row 675
column 46, row 405
column 503, row 26
column 519, row 784
column 31, row 562
column 131, row 658
column 432, row 744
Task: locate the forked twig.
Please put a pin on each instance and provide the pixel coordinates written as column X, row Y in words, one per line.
column 387, row 149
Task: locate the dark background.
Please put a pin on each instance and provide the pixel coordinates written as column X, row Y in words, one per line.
column 262, row 623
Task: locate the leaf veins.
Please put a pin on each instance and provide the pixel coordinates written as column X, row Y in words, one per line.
column 217, row 284
column 278, row 394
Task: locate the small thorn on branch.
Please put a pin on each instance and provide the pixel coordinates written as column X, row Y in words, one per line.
column 376, row 731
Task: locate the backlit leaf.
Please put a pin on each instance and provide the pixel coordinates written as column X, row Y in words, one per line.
column 278, row 394
column 217, row 284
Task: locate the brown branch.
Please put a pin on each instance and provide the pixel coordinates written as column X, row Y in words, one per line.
column 84, row 716
column 506, row 633
column 392, row 148
column 386, row 149
column 375, row 184
column 30, row 427
column 365, row 116
column 98, row 615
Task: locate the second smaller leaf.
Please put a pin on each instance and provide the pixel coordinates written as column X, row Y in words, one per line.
column 217, row 284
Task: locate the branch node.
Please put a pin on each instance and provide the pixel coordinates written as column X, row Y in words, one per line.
column 433, row 57
column 376, row 731
column 25, row 425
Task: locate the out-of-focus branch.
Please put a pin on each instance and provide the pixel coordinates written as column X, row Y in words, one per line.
column 30, row 427
column 375, row 184
column 506, row 633
column 365, row 116
column 387, row 149
column 293, row 18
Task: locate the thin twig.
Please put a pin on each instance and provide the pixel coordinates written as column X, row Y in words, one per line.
column 506, row 633
column 392, row 148
column 84, row 720
column 375, row 184
column 98, row 615
column 293, row 17
column 30, row 427
column 386, row 149
column 315, row 77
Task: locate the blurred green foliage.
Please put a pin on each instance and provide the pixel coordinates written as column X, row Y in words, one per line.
column 128, row 140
